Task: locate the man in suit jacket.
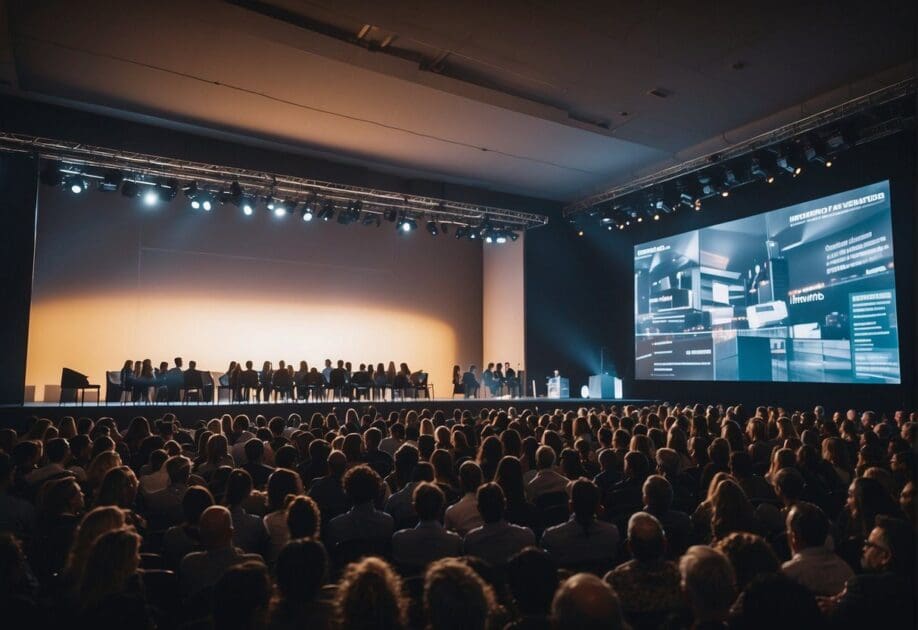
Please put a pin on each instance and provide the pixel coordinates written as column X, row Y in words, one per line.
column 202, row 569
column 363, row 521
column 416, row 547
column 165, row 506
column 496, row 540
column 470, row 383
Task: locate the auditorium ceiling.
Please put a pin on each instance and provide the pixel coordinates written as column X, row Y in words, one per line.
column 544, row 98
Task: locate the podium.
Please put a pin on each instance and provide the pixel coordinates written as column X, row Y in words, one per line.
column 605, row 386
column 559, row 387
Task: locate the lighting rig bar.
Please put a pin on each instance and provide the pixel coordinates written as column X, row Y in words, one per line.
column 810, row 123
column 144, row 168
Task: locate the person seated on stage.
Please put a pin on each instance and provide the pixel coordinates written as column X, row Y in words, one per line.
column 127, row 376
column 403, row 378
column 337, row 380
column 301, row 379
column 470, row 383
column 281, row 380
column 487, row 379
column 248, row 379
column 513, row 384
column 326, row 371
column 498, row 382
column 458, row 388
column 265, row 379
column 379, row 378
column 193, row 378
column 143, row 382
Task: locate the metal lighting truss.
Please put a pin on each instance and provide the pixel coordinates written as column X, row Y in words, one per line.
column 144, row 168
column 770, row 138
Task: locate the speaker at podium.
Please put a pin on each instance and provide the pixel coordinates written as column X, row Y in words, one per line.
column 605, row 386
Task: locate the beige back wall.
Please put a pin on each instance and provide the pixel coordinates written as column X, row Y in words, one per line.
column 115, row 280
column 503, row 306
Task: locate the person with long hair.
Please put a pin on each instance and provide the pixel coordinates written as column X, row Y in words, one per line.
column 301, row 571
column 94, row 523
column 283, row 485
column 509, row 476
column 731, row 511
column 110, row 587
column 489, row 455
column 370, row 597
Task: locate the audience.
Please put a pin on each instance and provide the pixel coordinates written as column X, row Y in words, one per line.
column 483, row 514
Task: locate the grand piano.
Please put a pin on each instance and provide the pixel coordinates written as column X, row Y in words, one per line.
column 74, row 384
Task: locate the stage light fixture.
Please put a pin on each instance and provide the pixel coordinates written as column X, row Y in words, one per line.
column 51, row 174
column 608, row 216
column 444, row 228
column 280, row 209
column 130, row 189
column 461, row 231
column 248, row 208
column 513, row 236
column 306, row 213
column 151, row 197
column 390, row 215
column 406, row 224
column 432, row 228
column 707, row 186
column 327, row 211
column 500, row 238
column 758, row 171
column 111, row 181
column 662, row 206
column 76, row 184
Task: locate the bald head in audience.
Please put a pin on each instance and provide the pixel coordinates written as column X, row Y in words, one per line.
column 586, row 602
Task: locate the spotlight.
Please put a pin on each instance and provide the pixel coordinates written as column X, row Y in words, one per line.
column 639, row 219
column 372, row 219
column 350, row 214
column 579, row 232
column 785, row 162
column 206, row 203
column 500, row 238
column 513, row 236
column 327, row 211
column 51, row 174
column 390, row 215
column 406, row 224
column 248, row 208
column 197, row 197
column 280, row 210
column 76, row 184
column 432, row 228
column 306, row 212
column 663, row 206
column 607, row 216
column 270, row 203
column 111, row 181
column 656, row 217
column 151, row 197
column 697, row 205
column 707, row 187
column 686, row 200
column 758, row 171
column 168, row 190
column 130, row 189
column 725, row 193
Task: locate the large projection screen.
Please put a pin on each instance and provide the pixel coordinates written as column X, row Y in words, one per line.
column 805, row 293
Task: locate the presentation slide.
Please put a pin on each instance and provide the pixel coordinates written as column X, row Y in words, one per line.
column 805, row 294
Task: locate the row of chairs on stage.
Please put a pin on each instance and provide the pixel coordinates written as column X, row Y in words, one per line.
column 202, row 386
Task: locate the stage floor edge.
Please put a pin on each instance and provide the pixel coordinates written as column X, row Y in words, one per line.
column 189, row 414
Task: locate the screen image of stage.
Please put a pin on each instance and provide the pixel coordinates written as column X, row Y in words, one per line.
column 804, row 293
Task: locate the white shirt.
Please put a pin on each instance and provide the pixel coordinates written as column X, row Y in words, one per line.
column 820, row 570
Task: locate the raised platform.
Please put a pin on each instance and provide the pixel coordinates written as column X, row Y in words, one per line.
column 190, row 413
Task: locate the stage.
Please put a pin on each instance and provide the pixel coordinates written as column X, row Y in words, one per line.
column 189, row 414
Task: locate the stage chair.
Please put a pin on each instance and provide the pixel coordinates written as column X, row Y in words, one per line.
column 192, row 384
column 422, row 385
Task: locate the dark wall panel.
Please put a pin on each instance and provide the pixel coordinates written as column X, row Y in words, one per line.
column 18, row 186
